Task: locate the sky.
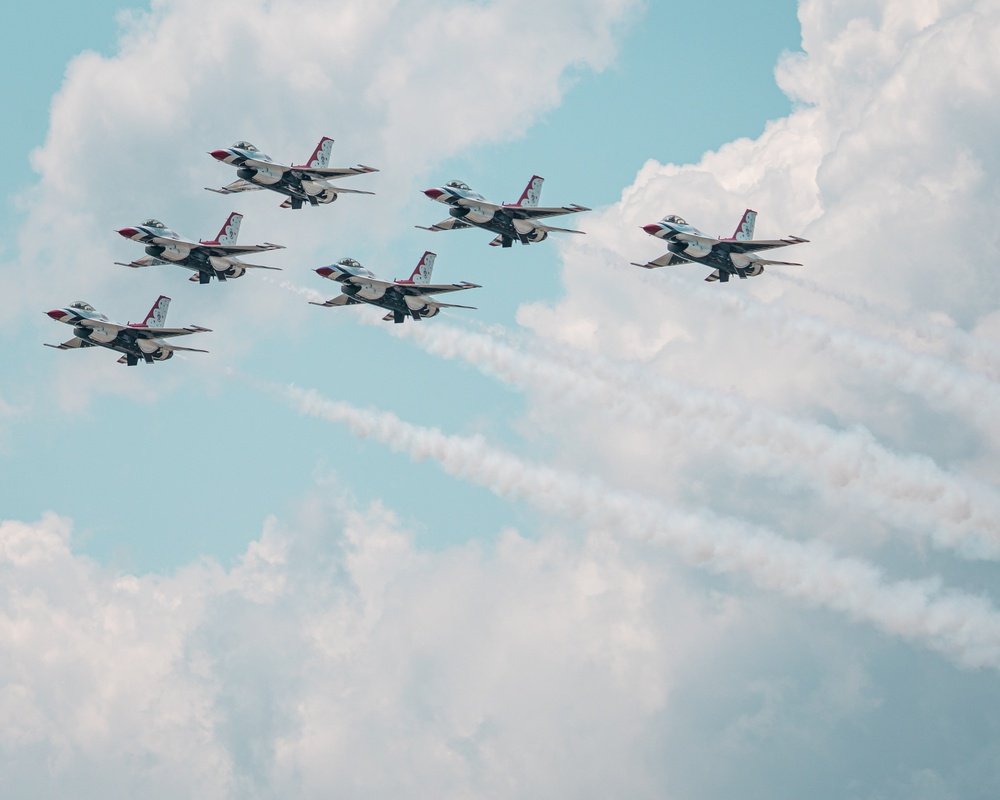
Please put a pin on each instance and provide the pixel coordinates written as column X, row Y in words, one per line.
column 613, row 533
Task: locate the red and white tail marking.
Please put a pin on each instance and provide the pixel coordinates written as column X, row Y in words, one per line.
column 422, row 272
column 532, row 192
column 157, row 316
column 321, row 155
column 230, row 230
column 744, row 231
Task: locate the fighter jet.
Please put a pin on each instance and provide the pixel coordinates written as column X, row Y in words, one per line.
column 403, row 298
column 733, row 256
column 305, row 183
column 209, row 259
column 510, row 221
column 136, row 340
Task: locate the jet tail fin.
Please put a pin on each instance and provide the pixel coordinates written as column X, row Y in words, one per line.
column 422, row 272
column 321, row 155
column 157, row 316
column 744, row 231
column 532, row 192
column 230, row 230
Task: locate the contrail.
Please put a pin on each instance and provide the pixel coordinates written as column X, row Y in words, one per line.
column 977, row 354
column 962, row 627
column 908, row 491
column 942, row 383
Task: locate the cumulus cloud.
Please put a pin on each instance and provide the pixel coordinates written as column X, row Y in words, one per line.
column 336, row 654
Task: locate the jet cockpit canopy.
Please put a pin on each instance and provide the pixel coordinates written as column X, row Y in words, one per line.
column 458, row 185
column 79, row 304
column 153, row 223
column 674, row 220
column 245, row 146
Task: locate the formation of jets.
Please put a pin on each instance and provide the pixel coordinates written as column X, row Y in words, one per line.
column 410, row 298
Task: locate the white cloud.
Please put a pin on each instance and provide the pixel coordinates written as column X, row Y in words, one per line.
column 336, row 654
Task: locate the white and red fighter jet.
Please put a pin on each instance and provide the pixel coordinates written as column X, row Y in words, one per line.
column 510, row 221
column 304, row 183
column 135, row 340
column 403, row 298
column 208, row 259
column 736, row 255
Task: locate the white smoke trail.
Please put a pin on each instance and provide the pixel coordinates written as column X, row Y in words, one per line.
column 309, row 294
column 940, row 382
column 962, row 627
column 909, row 491
column 978, row 355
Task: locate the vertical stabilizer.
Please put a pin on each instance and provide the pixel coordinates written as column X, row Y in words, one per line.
column 230, row 230
column 532, row 192
column 744, row 231
column 157, row 316
column 321, row 155
column 422, row 272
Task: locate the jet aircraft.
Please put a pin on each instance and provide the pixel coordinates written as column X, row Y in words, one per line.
column 510, row 221
column 736, row 255
column 209, row 259
column 304, row 183
column 403, row 298
column 136, row 340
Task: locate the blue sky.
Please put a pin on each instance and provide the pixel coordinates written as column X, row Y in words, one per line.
column 613, row 533
column 616, row 120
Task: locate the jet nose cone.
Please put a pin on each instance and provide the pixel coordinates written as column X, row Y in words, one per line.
column 220, row 155
column 652, row 229
column 128, row 233
column 56, row 313
column 433, row 194
column 326, row 272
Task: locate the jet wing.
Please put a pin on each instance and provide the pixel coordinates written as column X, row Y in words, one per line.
column 163, row 333
column 185, row 349
column 327, row 173
column 435, row 288
column 145, row 261
column 390, row 317
column 236, row 186
column 667, row 260
column 70, row 344
column 236, row 249
column 541, row 227
column 534, row 212
column 339, row 300
column 450, row 224
column 754, row 245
